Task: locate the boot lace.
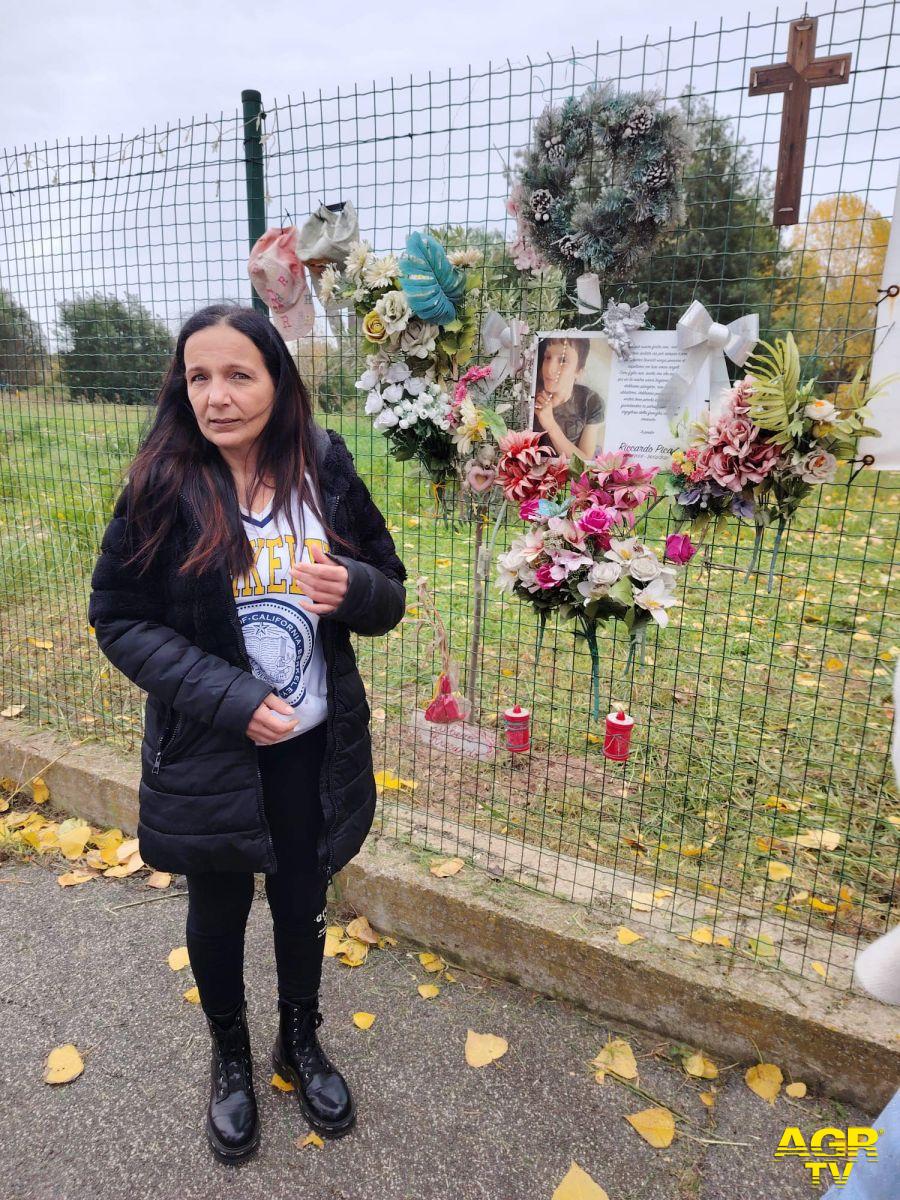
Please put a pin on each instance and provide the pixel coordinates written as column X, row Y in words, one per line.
column 304, row 1043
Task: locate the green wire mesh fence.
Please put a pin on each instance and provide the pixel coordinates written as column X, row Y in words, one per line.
column 763, row 718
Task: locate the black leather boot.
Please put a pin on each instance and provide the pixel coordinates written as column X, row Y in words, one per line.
column 322, row 1091
column 232, row 1121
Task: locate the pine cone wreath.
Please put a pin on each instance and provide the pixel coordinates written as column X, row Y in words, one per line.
column 639, row 122
column 541, row 200
column 657, row 174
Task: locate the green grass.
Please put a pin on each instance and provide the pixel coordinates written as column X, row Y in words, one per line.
column 746, row 697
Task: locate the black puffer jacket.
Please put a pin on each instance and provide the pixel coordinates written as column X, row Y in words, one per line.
column 201, row 800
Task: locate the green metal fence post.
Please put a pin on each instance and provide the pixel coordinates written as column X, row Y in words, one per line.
column 253, row 168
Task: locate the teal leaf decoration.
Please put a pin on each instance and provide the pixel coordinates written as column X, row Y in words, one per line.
column 433, row 286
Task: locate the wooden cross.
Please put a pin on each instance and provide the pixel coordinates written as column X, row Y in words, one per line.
column 796, row 78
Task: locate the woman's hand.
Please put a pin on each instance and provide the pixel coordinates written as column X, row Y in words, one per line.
column 324, row 581
column 264, row 727
column 544, row 404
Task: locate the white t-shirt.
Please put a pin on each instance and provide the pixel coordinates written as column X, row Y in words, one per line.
column 280, row 636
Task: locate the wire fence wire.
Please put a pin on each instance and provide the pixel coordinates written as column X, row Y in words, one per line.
column 756, row 811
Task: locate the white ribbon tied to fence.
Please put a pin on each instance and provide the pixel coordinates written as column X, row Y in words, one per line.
column 706, row 340
column 502, row 339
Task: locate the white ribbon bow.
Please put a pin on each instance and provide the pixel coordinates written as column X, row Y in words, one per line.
column 705, row 339
column 587, row 292
column 502, row 339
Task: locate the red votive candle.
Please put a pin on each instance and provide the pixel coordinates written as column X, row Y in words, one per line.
column 518, row 728
column 617, row 742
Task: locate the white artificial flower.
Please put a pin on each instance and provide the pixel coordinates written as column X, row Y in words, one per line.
column 820, row 410
column 816, row 467
column 358, row 257
column 369, row 379
column 465, row 258
column 397, row 372
column 328, row 283
column 416, row 385
column 374, row 403
column 623, row 550
column 394, row 310
column 644, row 567
column 386, row 419
column 656, row 598
column 393, row 392
column 419, row 338
column 381, row 272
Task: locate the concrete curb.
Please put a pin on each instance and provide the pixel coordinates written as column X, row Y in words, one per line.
column 846, row 1045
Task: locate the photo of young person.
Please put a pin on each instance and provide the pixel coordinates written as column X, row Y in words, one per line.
column 571, row 381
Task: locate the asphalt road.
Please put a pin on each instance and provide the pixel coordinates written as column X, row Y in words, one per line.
column 429, row 1126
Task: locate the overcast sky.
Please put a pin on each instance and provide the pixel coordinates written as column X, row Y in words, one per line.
column 72, row 70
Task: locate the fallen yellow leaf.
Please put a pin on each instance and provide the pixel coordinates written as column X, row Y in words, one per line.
column 484, row 1048
column 40, row 793
column 283, row 1085
column 795, row 1090
column 159, row 879
column 178, row 958
column 617, row 1058
column 817, row 839
column 820, row 969
column 72, row 837
column 655, row 1125
column 71, row 878
column 363, row 1020
column 576, row 1184
column 428, row 990
column 360, row 929
column 778, row 871
column 765, row 1080
column 431, row 962
column 63, row 1064
column 447, row 866
column 701, row 1067
column 311, row 1139
column 192, row 995
column 708, row 1098
column 627, row 937
column 702, row 935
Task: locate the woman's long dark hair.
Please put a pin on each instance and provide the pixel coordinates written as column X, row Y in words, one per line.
column 175, row 454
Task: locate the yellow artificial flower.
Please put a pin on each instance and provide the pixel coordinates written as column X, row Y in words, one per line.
column 373, row 327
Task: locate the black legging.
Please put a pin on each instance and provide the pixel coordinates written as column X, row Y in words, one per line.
column 219, row 901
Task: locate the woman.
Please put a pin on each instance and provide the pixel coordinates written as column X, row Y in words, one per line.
column 256, row 753
column 569, row 413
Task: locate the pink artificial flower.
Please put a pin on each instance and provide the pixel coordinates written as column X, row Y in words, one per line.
column 679, row 548
column 564, row 562
column 528, row 469
column 597, row 520
column 528, row 509
column 473, row 375
column 543, row 576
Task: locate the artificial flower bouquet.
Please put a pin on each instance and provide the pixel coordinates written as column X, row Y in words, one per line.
column 419, row 325
column 771, row 442
column 579, row 555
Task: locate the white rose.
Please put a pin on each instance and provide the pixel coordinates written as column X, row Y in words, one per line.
column 606, row 573
column 820, row 410
column 645, row 567
column 817, row 467
column 386, row 419
column 397, row 372
column 374, row 403
column 394, row 310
